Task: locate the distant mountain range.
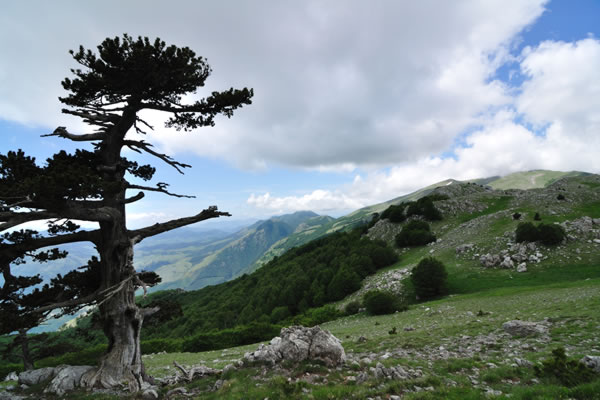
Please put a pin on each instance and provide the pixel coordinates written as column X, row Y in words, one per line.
column 207, row 259
column 191, row 258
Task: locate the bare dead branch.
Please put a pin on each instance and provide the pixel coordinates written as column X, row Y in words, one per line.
column 61, row 131
column 142, row 145
column 135, row 198
column 161, row 189
column 210, row 212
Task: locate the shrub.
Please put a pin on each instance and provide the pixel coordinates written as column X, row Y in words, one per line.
column 526, row 232
column 352, row 308
column 516, row 216
column 560, row 197
column 415, row 233
column 551, row 234
column 378, row 302
column 568, row 372
column 280, row 313
column 537, row 217
column 548, row 234
column 394, row 213
column 424, row 206
column 429, row 278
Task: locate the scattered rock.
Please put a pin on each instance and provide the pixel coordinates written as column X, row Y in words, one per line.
column 361, row 339
column 179, row 390
column 463, row 248
column 523, row 363
column 298, row 343
column 522, row 267
column 524, row 328
column 396, row 373
column 507, row 263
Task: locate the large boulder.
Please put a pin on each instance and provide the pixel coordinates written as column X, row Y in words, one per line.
column 35, row 376
column 66, row 378
column 524, row 328
column 298, row 343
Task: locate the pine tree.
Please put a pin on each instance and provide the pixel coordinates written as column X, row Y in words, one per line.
column 113, row 85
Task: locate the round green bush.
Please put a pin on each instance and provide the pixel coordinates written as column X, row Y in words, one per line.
column 352, row 308
column 429, row 278
column 378, row 302
column 526, row 232
column 415, row 233
column 551, row 234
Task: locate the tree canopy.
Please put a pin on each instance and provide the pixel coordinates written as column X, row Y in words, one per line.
column 109, row 89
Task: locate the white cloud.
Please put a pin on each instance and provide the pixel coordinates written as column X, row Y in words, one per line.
column 337, row 83
column 562, row 95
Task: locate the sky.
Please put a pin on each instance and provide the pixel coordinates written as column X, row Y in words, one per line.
column 355, row 102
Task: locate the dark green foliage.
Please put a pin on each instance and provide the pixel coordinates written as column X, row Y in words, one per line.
column 242, row 335
column 516, row 216
column 537, row 217
column 292, row 287
column 551, row 234
column 394, row 214
column 159, row 345
column 6, row 369
column 560, row 197
column 352, row 308
column 424, row 207
column 344, row 282
column 568, row 372
column 415, row 233
column 526, row 232
column 548, row 234
column 378, row 302
column 429, row 278
column 280, row 313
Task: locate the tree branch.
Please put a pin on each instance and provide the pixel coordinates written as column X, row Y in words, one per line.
column 210, row 212
column 135, row 198
column 61, row 131
column 13, row 250
column 73, row 212
column 160, row 188
column 142, row 145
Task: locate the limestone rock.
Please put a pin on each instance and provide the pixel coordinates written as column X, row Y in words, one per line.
column 489, row 260
column 592, row 362
column 66, row 378
column 507, row 263
column 524, row 328
column 36, row 376
column 463, row 248
column 522, row 267
column 12, row 376
column 298, row 343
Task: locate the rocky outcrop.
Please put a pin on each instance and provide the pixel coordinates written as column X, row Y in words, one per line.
column 520, row 328
column 66, row 378
column 299, row 343
column 35, row 376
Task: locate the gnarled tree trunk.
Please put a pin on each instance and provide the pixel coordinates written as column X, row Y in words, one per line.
column 122, row 364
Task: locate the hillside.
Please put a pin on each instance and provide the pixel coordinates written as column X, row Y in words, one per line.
column 201, row 261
